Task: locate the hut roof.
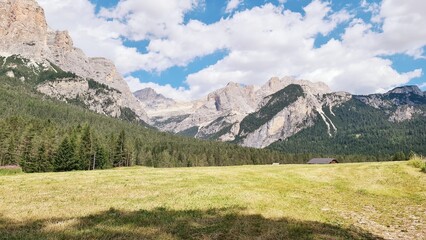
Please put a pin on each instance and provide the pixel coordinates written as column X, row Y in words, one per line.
column 322, row 160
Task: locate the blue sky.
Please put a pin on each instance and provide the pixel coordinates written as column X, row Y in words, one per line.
column 186, row 48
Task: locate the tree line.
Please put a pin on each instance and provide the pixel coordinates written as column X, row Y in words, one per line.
column 42, row 146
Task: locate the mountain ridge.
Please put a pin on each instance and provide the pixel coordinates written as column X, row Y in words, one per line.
column 223, row 113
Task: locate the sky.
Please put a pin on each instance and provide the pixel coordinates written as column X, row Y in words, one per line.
column 185, row 49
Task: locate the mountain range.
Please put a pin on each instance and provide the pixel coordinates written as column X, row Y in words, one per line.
column 282, row 108
column 283, row 114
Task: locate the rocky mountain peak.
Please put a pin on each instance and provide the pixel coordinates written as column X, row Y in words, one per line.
column 23, row 28
column 153, row 100
column 233, row 97
column 63, row 40
column 413, row 89
column 233, row 85
column 24, row 32
column 275, row 84
column 148, row 94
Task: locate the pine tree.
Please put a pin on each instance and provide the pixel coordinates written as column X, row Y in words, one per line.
column 9, row 157
column 42, row 160
column 28, row 163
column 399, row 156
column 138, row 151
column 65, row 159
column 86, row 149
column 120, row 156
column 100, row 158
column 4, row 136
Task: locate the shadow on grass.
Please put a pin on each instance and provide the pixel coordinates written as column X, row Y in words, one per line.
column 162, row 223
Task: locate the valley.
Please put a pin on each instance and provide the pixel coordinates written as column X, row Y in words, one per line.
column 343, row 201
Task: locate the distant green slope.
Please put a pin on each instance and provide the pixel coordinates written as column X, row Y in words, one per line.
column 361, row 130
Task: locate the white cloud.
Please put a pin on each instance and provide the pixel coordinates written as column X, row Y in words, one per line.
column 232, row 5
column 400, row 31
column 262, row 42
column 180, row 94
column 101, row 35
column 150, row 19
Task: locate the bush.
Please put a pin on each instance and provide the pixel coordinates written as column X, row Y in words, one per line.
column 417, row 162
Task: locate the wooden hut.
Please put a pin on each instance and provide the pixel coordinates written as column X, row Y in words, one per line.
column 323, row 161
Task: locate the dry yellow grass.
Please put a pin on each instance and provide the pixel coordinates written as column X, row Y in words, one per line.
column 343, row 201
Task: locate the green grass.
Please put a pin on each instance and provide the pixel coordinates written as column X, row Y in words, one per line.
column 9, row 171
column 342, row 201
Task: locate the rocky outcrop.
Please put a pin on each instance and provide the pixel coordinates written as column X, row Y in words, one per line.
column 286, row 123
column 23, row 29
column 404, row 113
column 406, row 90
column 406, row 95
column 152, row 100
column 401, row 103
column 24, row 32
column 101, row 100
column 275, row 84
column 229, row 104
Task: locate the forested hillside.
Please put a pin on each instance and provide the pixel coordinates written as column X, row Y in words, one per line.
column 42, row 134
column 361, row 130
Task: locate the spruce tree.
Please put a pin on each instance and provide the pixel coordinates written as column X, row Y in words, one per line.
column 42, row 159
column 86, row 149
column 28, row 163
column 9, row 157
column 4, row 136
column 65, row 159
column 120, row 151
column 100, row 158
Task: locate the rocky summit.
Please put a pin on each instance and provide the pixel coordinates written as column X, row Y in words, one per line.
column 24, row 33
column 152, row 100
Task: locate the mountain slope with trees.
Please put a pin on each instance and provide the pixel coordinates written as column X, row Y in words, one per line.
column 43, row 134
column 361, row 130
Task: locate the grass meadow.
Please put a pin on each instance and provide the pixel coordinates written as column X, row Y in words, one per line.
column 341, row 201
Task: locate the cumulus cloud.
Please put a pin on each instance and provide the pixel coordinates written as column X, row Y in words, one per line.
column 149, row 19
column 104, row 34
column 232, row 5
column 264, row 41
